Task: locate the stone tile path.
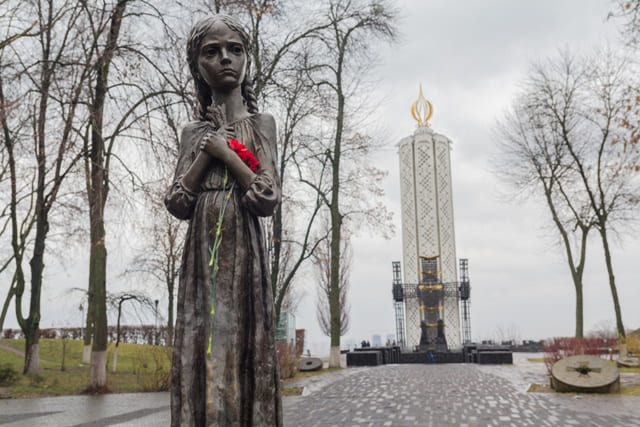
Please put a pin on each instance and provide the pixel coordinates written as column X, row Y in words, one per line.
column 443, row 395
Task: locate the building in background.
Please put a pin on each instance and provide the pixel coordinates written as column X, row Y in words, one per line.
column 286, row 330
column 376, row 341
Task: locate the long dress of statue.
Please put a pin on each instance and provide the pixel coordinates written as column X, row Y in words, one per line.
column 238, row 384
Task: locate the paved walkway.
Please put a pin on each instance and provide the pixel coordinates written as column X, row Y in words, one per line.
column 392, row 395
column 443, row 395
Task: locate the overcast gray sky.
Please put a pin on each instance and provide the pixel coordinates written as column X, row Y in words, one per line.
column 469, row 56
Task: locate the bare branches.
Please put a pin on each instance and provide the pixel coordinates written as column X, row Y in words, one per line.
column 45, row 80
column 629, row 11
column 568, row 138
column 78, row 83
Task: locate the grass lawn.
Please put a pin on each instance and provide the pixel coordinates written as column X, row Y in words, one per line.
column 140, row 368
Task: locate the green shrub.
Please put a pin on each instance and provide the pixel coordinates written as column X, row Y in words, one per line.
column 8, row 375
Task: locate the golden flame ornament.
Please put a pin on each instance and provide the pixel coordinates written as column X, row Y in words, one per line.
column 421, row 110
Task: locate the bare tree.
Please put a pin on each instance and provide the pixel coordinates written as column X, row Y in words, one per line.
column 322, row 264
column 122, row 59
column 507, row 333
column 343, row 58
column 97, row 173
column 535, row 161
column 55, row 77
column 116, row 301
column 18, row 222
column 292, row 236
column 607, row 154
column 604, row 328
column 571, row 137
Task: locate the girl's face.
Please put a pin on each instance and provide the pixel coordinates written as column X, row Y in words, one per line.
column 222, row 58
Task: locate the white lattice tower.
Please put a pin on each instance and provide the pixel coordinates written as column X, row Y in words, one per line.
column 427, row 222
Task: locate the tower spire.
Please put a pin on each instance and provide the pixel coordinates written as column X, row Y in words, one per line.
column 421, row 110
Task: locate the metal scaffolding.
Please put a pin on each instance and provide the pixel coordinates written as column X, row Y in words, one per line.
column 398, row 302
column 465, row 296
column 459, row 292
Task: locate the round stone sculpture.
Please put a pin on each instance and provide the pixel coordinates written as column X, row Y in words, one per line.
column 309, row 364
column 585, row 374
column 629, row 362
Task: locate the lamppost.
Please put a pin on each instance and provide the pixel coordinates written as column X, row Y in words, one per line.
column 156, row 322
column 81, row 308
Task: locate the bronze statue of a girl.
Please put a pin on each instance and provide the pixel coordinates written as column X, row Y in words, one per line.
column 225, row 370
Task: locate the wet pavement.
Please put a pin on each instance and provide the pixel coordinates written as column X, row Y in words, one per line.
column 131, row 409
column 442, row 395
column 391, row 395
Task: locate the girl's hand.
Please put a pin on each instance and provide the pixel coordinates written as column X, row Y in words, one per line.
column 215, row 145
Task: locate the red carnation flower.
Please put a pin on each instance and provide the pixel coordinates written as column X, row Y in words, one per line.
column 245, row 155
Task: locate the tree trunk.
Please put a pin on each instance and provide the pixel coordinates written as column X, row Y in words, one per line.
column 579, row 310
column 99, row 189
column 334, row 357
column 114, row 361
column 336, row 219
column 98, row 371
column 31, row 327
column 577, row 270
column 32, row 353
column 170, row 320
column 612, row 283
column 63, row 366
column 97, row 278
column 88, row 328
column 334, row 292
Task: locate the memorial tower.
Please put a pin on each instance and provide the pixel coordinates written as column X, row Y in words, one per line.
column 432, row 317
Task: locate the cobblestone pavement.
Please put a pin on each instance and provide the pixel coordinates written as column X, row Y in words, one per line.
column 392, row 395
column 444, row 395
